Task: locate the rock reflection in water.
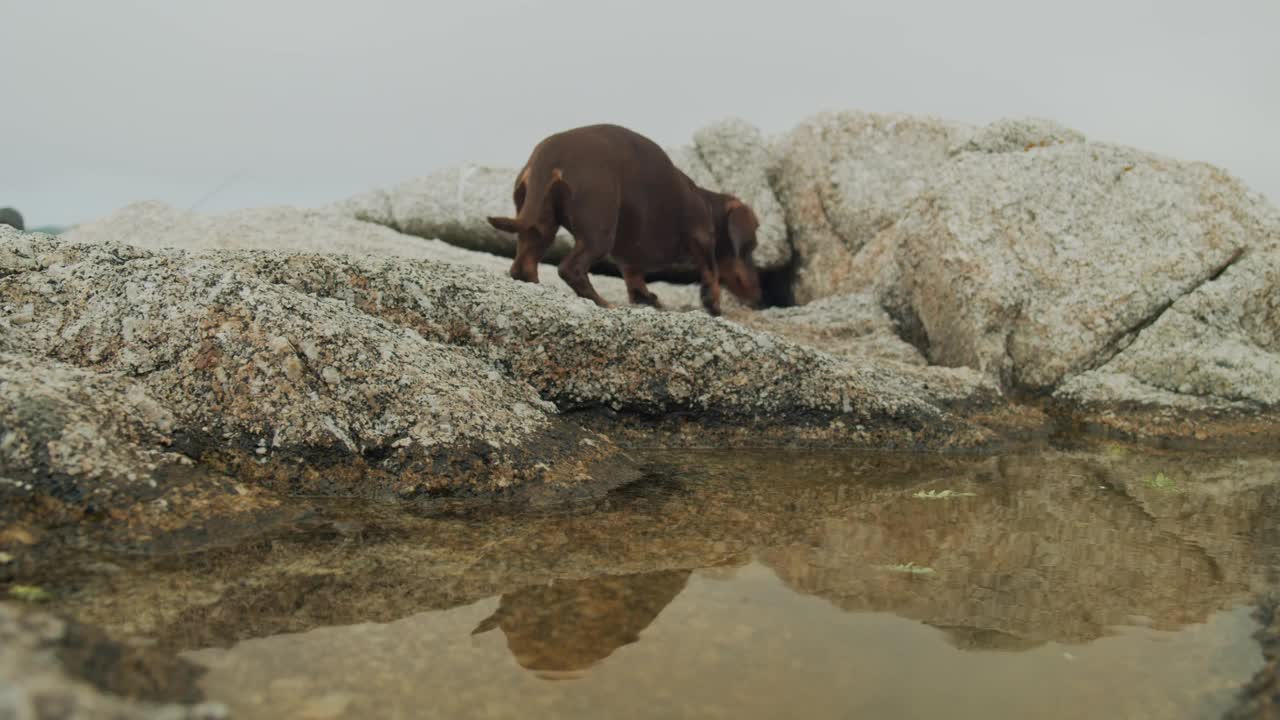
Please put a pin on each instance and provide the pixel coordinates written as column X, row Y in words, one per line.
column 569, row 625
column 1119, row 578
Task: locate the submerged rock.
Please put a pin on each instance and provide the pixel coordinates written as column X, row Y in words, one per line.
column 54, row 668
column 1024, row 551
column 1260, row 698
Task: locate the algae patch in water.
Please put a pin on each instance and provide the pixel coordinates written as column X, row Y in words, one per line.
column 29, row 593
column 909, row 568
column 941, row 494
column 1163, row 483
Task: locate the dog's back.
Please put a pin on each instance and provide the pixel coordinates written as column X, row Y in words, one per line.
column 655, row 201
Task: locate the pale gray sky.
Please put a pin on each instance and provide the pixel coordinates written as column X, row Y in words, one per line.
column 103, row 102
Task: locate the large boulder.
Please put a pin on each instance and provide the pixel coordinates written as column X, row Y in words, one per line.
column 1214, row 352
column 293, row 390
column 855, row 326
column 636, row 362
column 1018, row 249
column 844, row 177
column 386, row 376
column 451, row 204
column 1036, row 265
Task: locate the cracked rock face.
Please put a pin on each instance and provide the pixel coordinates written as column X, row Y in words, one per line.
column 451, row 204
column 1216, row 348
column 1024, row 252
column 1033, row 266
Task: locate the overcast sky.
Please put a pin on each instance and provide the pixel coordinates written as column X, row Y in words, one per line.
column 103, row 102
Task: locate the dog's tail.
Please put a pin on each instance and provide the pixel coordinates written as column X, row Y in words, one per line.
column 533, row 196
column 505, row 224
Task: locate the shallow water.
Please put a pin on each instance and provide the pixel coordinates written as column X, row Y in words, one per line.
column 740, row 585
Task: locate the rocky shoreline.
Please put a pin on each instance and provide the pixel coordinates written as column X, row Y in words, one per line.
column 961, row 290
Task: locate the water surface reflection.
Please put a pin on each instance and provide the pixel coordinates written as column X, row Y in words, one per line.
column 749, row 585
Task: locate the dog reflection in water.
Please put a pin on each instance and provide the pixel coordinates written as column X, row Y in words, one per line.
column 560, row 630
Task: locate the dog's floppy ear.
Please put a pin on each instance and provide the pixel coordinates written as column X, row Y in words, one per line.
column 742, row 224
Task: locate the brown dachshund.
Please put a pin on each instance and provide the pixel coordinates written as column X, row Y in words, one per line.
column 619, row 194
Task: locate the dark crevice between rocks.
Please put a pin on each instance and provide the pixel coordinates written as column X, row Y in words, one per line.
column 910, row 329
column 642, row 427
column 777, row 287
